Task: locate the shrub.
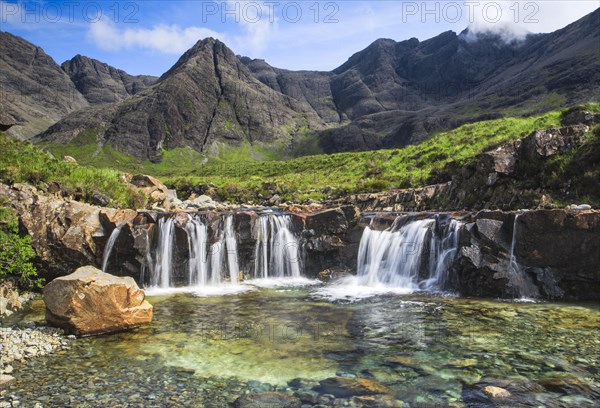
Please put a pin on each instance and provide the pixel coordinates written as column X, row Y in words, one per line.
column 16, row 253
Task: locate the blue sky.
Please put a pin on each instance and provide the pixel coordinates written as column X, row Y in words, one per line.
column 147, row 37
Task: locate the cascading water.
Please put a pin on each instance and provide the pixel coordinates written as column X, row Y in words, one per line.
column 212, row 253
column 392, row 257
column 160, row 273
column 109, row 246
column 442, row 252
column 277, row 251
column 198, row 271
column 231, row 248
column 395, row 257
column 520, row 283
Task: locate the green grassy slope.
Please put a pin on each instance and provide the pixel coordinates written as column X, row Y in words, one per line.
column 22, row 162
column 236, row 176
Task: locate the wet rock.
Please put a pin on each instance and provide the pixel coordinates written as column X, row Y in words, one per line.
column 307, row 396
column 90, row 301
column 267, row 400
column 377, row 401
column 342, row 387
column 569, row 385
column 302, row 383
column 496, row 392
column 577, row 116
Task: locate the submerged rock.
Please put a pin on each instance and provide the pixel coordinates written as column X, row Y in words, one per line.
column 496, row 392
column 343, row 387
column 377, row 401
column 90, row 301
column 267, row 400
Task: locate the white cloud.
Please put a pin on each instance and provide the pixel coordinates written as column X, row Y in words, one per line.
column 513, row 20
column 259, row 25
column 162, row 38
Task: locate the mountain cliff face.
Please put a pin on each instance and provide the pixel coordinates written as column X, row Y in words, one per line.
column 207, row 97
column 35, row 91
column 388, row 95
column 100, row 83
column 396, row 93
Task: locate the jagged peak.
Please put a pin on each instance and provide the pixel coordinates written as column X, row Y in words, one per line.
column 209, row 44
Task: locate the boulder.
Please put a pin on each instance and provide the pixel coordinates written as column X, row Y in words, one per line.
column 90, row 301
column 546, row 143
column 159, row 194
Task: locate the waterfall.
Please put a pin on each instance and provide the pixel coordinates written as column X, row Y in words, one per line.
column 160, row 275
column 109, row 246
column 277, row 251
column 442, row 252
column 395, row 257
column 198, row 273
column 520, row 283
column 231, row 248
column 392, row 258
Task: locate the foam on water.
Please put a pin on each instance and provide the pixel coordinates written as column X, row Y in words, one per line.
column 282, row 282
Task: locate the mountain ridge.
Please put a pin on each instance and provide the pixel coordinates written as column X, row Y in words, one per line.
column 389, row 94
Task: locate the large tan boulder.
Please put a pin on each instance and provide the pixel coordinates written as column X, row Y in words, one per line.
column 89, row 301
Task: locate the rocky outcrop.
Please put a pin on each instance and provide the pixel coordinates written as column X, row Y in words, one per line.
column 89, row 301
column 65, row 234
column 159, row 194
column 330, row 239
column 548, row 254
column 506, row 177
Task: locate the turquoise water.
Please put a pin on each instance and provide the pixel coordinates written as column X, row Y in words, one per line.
column 430, row 350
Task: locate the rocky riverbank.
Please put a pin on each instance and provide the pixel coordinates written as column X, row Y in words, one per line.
column 12, row 300
column 19, row 344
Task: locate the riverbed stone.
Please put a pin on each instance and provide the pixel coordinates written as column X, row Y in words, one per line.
column 90, row 301
column 496, row 392
column 343, row 387
column 267, row 400
column 377, row 401
column 6, row 380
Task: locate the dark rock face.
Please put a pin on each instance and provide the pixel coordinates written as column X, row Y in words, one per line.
column 100, row 83
column 36, row 93
column 557, row 253
column 396, row 93
column 207, row 97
